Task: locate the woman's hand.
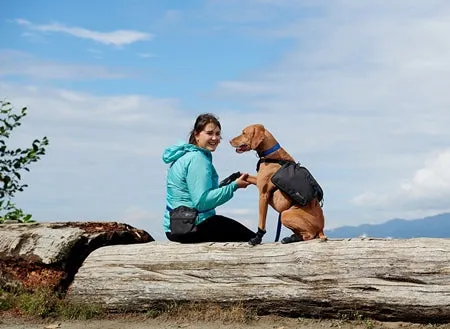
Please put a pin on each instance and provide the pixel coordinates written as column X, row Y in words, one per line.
column 242, row 181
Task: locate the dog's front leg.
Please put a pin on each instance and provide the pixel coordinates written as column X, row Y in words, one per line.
column 263, row 206
column 251, row 179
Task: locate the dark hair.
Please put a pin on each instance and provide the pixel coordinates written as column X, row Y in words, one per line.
column 200, row 124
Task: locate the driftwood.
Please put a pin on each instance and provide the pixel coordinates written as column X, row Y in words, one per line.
column 47, row 255
column 395, row 280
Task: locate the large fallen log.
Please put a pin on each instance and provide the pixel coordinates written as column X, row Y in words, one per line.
column 47, row 255
column 404, row 280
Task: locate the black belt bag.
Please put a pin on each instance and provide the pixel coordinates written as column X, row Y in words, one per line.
column 182, row 220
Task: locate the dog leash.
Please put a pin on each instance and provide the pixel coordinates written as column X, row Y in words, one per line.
column 277, row 236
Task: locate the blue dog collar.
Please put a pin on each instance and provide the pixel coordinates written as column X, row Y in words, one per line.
column 269, row 151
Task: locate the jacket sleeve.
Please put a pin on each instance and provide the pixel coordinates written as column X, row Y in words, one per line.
column 205, row 193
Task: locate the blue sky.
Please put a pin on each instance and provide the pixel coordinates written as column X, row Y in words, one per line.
column 356, row 91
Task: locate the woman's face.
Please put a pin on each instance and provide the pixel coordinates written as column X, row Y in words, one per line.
column 209, row 137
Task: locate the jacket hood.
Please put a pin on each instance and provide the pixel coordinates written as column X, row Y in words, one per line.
column 175, row 152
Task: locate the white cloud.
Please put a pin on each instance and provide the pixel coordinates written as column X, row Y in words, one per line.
column 21, row 21
column 172, row 16
column 16, row 63
column 97, row 54
column 239, row 211
column 432, row 181
column 116, row 38
column 146, row 55
column 138, row 217
column 427, row 189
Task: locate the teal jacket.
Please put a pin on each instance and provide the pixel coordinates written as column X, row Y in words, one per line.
column 192, row 181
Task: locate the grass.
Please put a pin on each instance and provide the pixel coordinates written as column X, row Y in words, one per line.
column 45, row 303
column 204, row 311
column 48, row 304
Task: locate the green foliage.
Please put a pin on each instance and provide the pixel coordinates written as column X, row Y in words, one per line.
column 45, row 303
column 13, row 162
column 6, row 301
column 78, row 311
column 41, row 303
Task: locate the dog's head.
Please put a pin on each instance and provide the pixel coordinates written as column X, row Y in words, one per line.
column 251, row 138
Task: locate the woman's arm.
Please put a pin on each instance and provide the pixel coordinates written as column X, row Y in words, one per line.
column 203, row 189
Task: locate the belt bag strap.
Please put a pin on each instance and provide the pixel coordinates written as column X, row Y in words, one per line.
column 170, row 209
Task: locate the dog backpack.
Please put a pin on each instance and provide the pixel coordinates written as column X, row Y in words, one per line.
column 296, row 181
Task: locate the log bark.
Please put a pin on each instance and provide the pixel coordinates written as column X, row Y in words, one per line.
column 395, row 280
column 47, row 255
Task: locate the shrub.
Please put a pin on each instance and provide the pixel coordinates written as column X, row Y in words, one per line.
column 13, row 162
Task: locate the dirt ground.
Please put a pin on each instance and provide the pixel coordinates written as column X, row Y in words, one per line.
column 263, row 322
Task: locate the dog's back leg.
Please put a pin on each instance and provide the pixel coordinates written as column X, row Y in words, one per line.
column 308, row 222
column 322, row 236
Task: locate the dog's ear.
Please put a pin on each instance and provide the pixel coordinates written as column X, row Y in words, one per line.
column 258, row 136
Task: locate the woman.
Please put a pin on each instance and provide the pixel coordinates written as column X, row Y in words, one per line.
column 192, row 181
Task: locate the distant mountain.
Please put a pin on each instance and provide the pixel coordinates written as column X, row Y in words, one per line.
column 432, row 227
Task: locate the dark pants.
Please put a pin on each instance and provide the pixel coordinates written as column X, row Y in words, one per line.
column 215, row 229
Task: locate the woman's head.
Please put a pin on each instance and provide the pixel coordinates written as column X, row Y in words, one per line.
column 206, row 132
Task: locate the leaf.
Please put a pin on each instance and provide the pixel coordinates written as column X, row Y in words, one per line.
column 27, row 218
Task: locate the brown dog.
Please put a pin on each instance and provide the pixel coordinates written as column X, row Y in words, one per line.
column 306, row 222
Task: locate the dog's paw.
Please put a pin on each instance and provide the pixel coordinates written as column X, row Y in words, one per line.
column 254, row 241
column 323, row 239
column 291, row 239
column 258, row 237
